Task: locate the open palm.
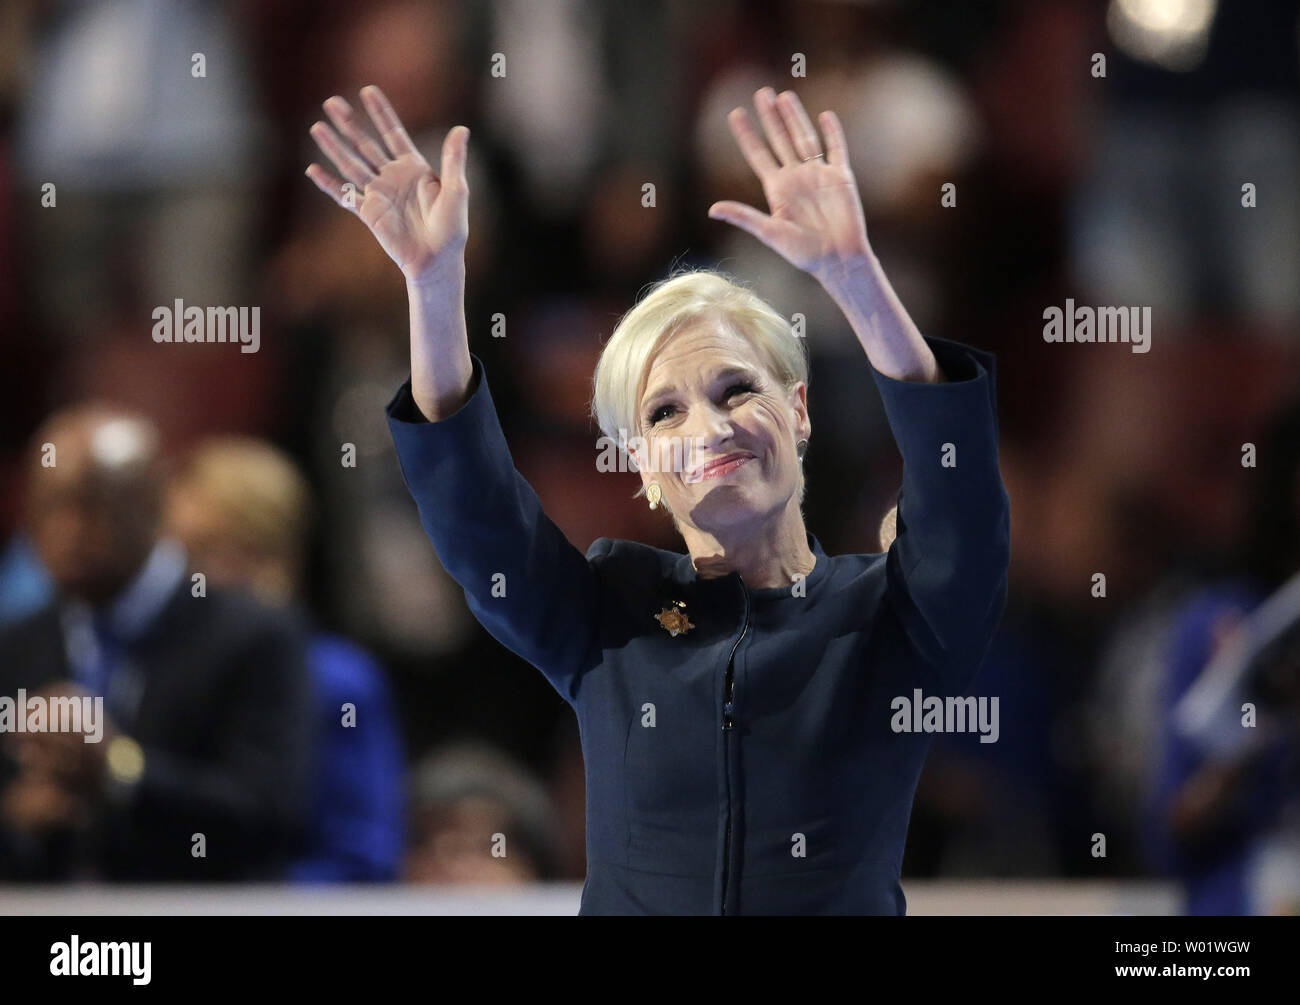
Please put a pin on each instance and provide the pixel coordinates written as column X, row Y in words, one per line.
column 816, row 221
column 420, row 219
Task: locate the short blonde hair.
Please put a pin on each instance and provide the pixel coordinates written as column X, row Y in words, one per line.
column 669, row 306
column 257, row 491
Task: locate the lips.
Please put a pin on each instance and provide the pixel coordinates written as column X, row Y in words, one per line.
column 719, row 467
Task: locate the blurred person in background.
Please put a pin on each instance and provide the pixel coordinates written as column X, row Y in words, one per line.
column 141, row 116
column 477, row 818
column 1200, row 101
column 1225, row 810
column 241, row 509
column 139, row 158
column 202, row 768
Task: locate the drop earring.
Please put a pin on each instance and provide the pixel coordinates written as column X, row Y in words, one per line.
column 654, row 493
column 801, row 448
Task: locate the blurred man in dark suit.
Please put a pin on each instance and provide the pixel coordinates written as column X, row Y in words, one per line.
column 202, row 768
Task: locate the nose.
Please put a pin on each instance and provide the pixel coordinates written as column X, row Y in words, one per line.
column 708, row 434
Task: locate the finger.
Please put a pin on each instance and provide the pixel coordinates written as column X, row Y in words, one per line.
column 837, row 148
column 797, row 123
column 772, row 232
column 334, row 188
column 455, row 152
column 757, row 156
column 349, row 165
column 386, row 122
column 774, row 126
column 349, row 124
column 747, row 218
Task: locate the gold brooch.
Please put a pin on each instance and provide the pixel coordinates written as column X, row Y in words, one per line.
column 674, row 619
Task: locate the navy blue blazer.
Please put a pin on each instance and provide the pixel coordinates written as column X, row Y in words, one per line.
column 747, row 765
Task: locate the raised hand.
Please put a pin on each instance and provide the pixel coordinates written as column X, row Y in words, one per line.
column 421, row 219
column 816, row 221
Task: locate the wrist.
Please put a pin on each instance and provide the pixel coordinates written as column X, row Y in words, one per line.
column 848, row 278
column 438, row 277
column 442, row 391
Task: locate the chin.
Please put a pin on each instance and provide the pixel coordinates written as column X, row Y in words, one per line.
column 733, row 505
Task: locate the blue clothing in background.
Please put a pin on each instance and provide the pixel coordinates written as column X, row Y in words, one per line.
column 25, row 586
column 357, row 831
column 1217, row 872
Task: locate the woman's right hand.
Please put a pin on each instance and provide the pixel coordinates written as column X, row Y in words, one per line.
column 419, row 218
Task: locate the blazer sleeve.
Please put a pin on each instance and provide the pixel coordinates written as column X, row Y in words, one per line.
column 946, row 569
column 526, row 584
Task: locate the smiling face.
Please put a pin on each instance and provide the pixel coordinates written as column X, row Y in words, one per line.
column 719, row 430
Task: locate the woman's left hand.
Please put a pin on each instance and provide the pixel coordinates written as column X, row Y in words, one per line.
column 816, row 222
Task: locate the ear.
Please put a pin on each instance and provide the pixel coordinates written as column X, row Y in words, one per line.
column 638, row 451
column 799, row 404
column 646, row 476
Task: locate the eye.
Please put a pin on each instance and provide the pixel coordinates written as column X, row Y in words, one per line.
column 659, row 414
column 665, row 412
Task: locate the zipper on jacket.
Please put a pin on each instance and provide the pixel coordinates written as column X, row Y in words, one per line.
column 728, row 723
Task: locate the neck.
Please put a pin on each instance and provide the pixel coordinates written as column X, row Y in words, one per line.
column 770, row 554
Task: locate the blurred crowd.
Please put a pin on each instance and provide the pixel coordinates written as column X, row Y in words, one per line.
column 332, row 712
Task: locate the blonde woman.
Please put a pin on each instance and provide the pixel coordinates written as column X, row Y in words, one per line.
column 739, row 703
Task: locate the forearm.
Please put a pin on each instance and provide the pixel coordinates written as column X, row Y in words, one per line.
column 524, row 582
column 440, row 363
column 890, row 339
column 947, row 573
